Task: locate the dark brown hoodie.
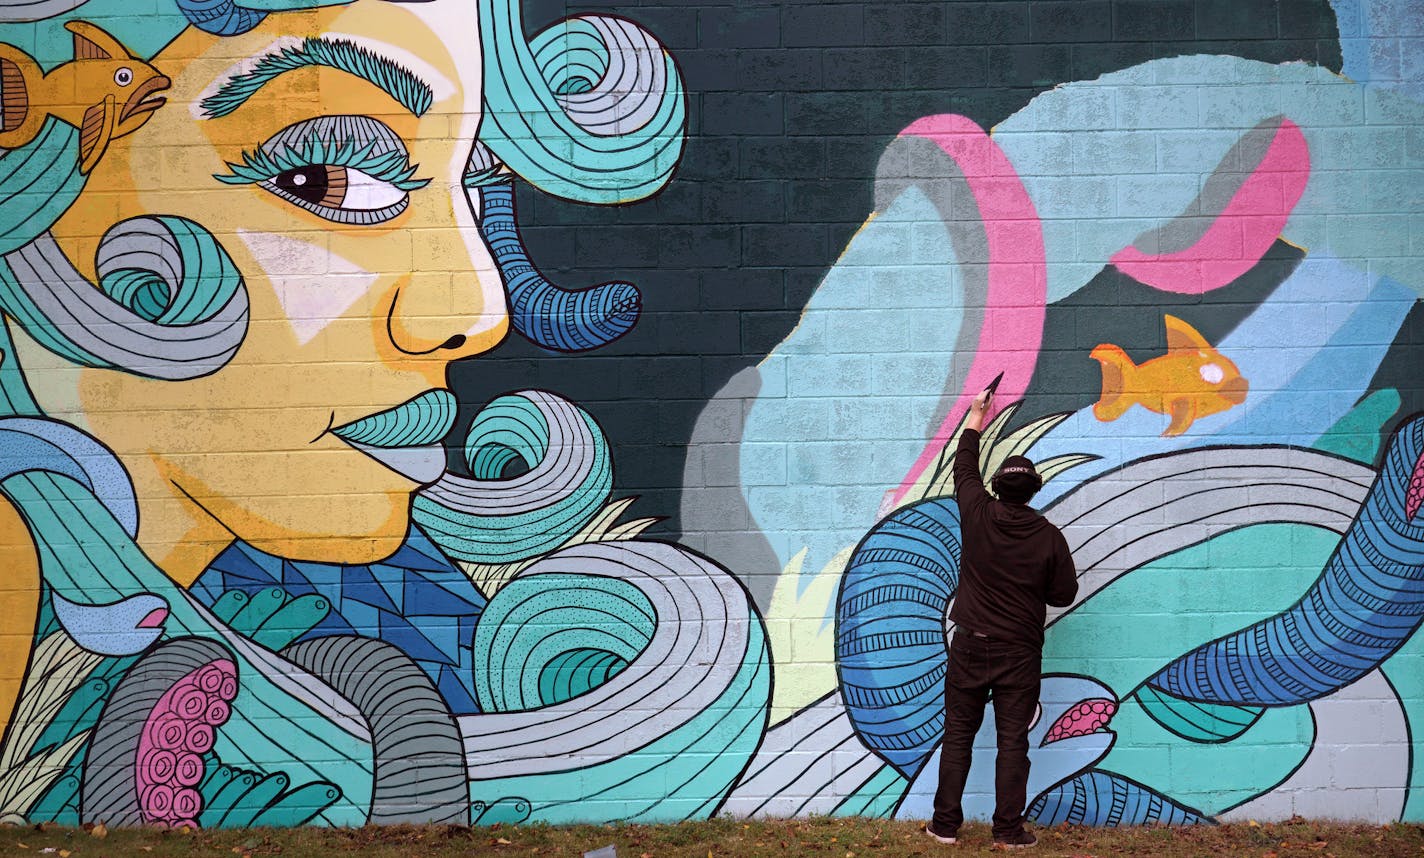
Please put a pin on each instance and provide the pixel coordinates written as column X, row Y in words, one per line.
column 1014, row 560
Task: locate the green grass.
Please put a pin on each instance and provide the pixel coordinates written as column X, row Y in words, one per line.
column 722, row 838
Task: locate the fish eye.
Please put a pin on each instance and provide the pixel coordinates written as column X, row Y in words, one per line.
column 1211, row 373
column 124, row 76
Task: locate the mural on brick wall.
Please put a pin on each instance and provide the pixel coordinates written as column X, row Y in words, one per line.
column 1215, row 255
column 240, row 250
column 252, row 581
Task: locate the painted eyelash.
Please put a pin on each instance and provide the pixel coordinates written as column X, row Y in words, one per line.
column 480, row 178
column 263, row 165
column 483, row 168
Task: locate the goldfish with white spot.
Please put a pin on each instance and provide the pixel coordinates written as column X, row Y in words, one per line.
column 1191, row 380
column 105, row 92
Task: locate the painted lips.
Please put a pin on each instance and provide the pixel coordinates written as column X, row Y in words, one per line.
column 406, row 438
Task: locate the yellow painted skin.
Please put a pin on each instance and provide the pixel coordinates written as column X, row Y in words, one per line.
column 19, row 606
column 244, row 452
column 105, row 92
column 1191, row 380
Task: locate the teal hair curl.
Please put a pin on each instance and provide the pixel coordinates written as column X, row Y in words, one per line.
column 555, row 117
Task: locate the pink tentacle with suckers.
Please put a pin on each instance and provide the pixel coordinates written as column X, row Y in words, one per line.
column 1012, row 330
column 180, row 729
column 1088, row 716
column 1414, row 495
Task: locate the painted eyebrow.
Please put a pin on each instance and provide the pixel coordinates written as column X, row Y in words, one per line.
column 397, row 81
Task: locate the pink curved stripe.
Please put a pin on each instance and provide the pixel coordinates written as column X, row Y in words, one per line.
column 1241, row 234
column 1014, row 308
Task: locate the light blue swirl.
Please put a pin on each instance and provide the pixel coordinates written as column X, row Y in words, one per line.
column 563, row 135
column 544, row 639
column 39, row 444
column 209, row 277
column 489, row 518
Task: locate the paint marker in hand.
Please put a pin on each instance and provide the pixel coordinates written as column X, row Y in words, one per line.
column 989, row 391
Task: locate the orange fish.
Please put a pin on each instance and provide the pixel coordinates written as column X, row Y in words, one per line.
column 105, row 92
column 1191, row 380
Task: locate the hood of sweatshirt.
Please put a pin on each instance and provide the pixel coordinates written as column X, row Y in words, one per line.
column 1016, row 519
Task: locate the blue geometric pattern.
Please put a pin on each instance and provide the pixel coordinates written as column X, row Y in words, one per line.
column 1107, row 799
column 1366, row 604
column 890, row 644
column 415, row 599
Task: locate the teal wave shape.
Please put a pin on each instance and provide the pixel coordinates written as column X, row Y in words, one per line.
column 493, row 519
column 557, row 636
column 528, row 126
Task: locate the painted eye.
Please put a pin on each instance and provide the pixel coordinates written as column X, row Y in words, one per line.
column 1211, row 373
column 341, row 194
column 345, row 169
column 124, row 76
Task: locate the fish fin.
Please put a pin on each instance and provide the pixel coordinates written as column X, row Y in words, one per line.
column 1182, row 337
column 1117, row 366
column 1183, row 413
column 14, row 94
column 92, row 43
column 97, row 131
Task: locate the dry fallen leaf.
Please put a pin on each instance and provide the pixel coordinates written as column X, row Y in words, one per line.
column 99, row 830
column 64, row 853
column 502, row 841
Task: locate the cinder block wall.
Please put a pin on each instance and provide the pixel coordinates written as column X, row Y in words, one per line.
column 539, row 411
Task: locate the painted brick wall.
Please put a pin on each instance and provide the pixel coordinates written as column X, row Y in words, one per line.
column 541, row 411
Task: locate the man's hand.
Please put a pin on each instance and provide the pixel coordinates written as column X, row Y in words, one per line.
column 978, row 411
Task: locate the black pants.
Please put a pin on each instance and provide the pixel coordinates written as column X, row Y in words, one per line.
column 1012, row 672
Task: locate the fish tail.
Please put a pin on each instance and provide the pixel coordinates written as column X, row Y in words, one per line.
column 1117, row 367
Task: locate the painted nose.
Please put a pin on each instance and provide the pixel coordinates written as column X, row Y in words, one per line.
column 454, row 306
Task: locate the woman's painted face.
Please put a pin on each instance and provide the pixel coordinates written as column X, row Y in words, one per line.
column 333, row 179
